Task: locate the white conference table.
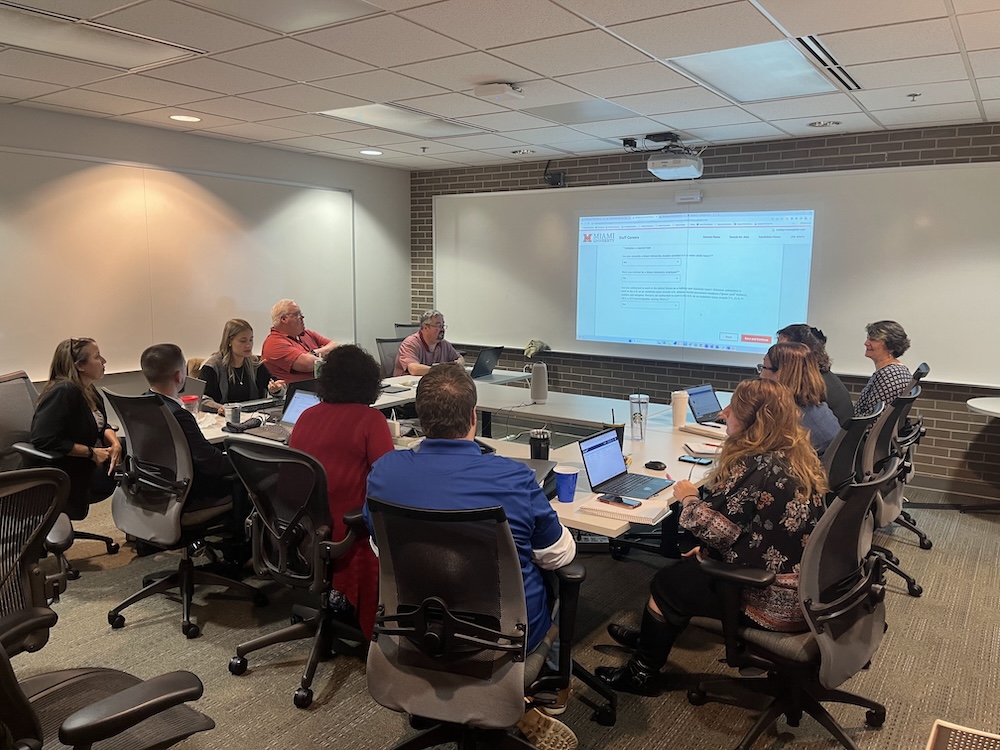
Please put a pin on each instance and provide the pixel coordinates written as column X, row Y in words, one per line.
column 990, row 406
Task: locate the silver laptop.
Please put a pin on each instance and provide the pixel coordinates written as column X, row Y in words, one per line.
column 607, row 472
column 486, row 361
column 705, row 406
column 193, row 387
column 300, row 401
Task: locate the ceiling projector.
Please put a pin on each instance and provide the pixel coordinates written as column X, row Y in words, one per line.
column 675, row 166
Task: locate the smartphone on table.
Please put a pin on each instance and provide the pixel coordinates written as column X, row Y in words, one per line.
column 694, row 460
column 624, row 502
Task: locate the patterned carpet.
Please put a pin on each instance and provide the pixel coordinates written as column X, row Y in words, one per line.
column 939, row 659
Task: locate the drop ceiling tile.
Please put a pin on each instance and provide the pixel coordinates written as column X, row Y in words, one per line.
column 38, row 104
column 374, row 137
column 545, row 92
column 217, row 76
column 291, row 17
column 625, row 128
column 574, row 113
column 463, row 72
column 591, row 146
column 312, row 143
column 22, row 88
column 312, row 124
column 95, row 101
column 630, row 79
column 506, row 121
column 985, row 63
column 905, row 40
column 151, row 90
column 914, row 71
column 704, row 30
column 304, row 98
column 182, row 24
column 989, row 88
column 252, row 130
column 5, row 100
column 703, row 118
column 546, row 136
column 379, row 86
column 400, row 4
column 418, row 162
column 225, row 137
column 452, row 105
column 930, row 93
column 675, row 100
column 76, row 8
column 23, row 64
column 973, row 6
column 992, row 108
column 608, row 13
column 240, row 109
column 937, row 113
column 804, row 106
column 433, row 148
column 852, row 122
column 537, row 152
column 803, row 19
column 492, row 24
column 980, row 30
column 486, row 140
column 573, row 53
column 473, row 158
column 385, row 41
column 729, row 133
column 161, row 118
column 293, row 60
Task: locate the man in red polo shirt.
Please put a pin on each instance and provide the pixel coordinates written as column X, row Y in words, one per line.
column 291, row 351
column 426, row 347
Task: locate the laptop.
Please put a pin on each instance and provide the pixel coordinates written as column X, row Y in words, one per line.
column 193, row 387
column 486, row 361
column 706, row 409
column 606, row 470
column 299, row 402
column 275, row 412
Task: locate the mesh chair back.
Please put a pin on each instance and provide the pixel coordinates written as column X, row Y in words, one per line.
column 17, row 406
column 879, row 447
column 923, row 369
column 388, row 350
column 16, row 711
column 842, row 459
column 292, row 518
column 30, row 502
column 468, row 561
column 406, row 329
column 158, row 470
column 840, row 588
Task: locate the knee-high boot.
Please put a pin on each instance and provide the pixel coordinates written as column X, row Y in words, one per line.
column 642, row 673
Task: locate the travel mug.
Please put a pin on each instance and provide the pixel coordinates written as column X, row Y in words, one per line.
column 539, row 443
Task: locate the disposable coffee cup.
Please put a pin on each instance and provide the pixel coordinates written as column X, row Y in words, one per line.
column 679, row 407
column 539, row 442
column 566, row 483
column 619, row 428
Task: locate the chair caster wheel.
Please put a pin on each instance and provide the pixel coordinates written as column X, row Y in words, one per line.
column 237, row 665
column 72, row 574
column 875, row 717
column 260, row 599
column 113, row 548
column 926, row 543
column 190, row 630
column 697, row 697
column 296, row 619
column 915, row 590
column 117, row 622
column 618, row 552
column 793, row 718
column 605, row 716
column 303, row 698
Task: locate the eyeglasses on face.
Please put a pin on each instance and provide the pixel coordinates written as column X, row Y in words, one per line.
column 442, row 326
column 295, row 315
column 761, row 367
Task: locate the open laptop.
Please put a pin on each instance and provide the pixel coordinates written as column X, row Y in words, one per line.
column 706, row 409
column 486, row 361
column 274, row 413
column 606, row 470
column 193, row 387
column 298, row 403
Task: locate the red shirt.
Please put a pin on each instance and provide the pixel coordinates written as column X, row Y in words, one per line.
column 414, row 349
column 280, row 351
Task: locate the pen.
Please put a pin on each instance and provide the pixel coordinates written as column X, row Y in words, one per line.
column 713, row 445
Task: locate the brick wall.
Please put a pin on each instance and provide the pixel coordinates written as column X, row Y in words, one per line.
column 961, row 451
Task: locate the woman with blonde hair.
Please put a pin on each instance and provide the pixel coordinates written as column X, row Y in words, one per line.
column 234, row 373
column 794, row 366
column 756, row 509
column 70, row 420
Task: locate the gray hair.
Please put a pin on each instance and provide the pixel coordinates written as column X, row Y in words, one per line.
column 890, row 333
column 430, row 315
column 280, row 308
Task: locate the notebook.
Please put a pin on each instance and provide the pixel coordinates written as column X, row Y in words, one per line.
column 705, row 450
column 647, row 513
column 486, row 361
column 300, row 401
column 606, row 470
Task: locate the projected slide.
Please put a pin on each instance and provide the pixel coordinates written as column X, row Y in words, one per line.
column 723, row 281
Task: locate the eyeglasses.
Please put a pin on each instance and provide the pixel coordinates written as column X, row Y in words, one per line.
column 442, row 326
column 761, row 367
column 295, row 315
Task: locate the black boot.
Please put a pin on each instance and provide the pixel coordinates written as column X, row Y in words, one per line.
column 624, row 635
column 641, row 675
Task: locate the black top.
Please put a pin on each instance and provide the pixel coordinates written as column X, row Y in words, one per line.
column 838, row 399
column 243, row 387
column 212, row 470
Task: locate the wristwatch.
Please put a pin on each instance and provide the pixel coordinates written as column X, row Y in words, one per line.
column 90, row 452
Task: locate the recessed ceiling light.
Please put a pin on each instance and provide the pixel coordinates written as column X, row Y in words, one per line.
column 185, row 118
column 824, row 123
column 522, row 151
column 371, row 152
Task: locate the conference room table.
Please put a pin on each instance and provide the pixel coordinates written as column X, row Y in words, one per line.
column 990, row 406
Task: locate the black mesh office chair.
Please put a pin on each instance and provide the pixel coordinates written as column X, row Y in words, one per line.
column 406, row 329
column 388, row 349
column 841, row 593
column 450, row 637
column 842, row 458
column 151, row 504
column 291, row 532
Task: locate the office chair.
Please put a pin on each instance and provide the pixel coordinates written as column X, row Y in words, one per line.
column 388, row 350
column 450, row 637
column 151, row 504
column 842, row 458
column 406, row 329
column 291, row 533
column 30, row 502
column 842, row 596
column 17, row 407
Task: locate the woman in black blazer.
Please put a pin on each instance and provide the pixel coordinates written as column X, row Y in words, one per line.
column 70, row 420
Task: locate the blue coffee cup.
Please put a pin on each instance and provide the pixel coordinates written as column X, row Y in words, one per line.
column 566, row 482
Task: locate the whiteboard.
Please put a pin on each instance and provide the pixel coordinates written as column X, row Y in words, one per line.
column 920, row 245
column 132, row 255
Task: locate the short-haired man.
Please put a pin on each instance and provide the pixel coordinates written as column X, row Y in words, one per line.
column 290, row 350
column 165, row 369
column 426, row 347
column 448, row 471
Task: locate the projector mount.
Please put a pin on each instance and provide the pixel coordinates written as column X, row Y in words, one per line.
column 672, row 145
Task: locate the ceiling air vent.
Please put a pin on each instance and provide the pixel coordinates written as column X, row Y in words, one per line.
column 828, row 62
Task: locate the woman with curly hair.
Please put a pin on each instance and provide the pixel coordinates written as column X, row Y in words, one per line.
column 885, row 344
column 756, row 509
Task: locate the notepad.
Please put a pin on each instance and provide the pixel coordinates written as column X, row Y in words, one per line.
column 702, row 449
column 649, row 512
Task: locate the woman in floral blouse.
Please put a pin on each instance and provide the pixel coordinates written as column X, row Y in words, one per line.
column 757, row 509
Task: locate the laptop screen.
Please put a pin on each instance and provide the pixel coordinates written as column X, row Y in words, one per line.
column 301, row 400
column 704, row 403
column 486, row 361
column 602, row 457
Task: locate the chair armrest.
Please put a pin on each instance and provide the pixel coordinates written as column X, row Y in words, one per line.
column 24, row 622
column 738, row 574
column 60, row 536
column 36, row 454
column 569, row 578
column 112, row 715
column 732, row 579
column 355, row 520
